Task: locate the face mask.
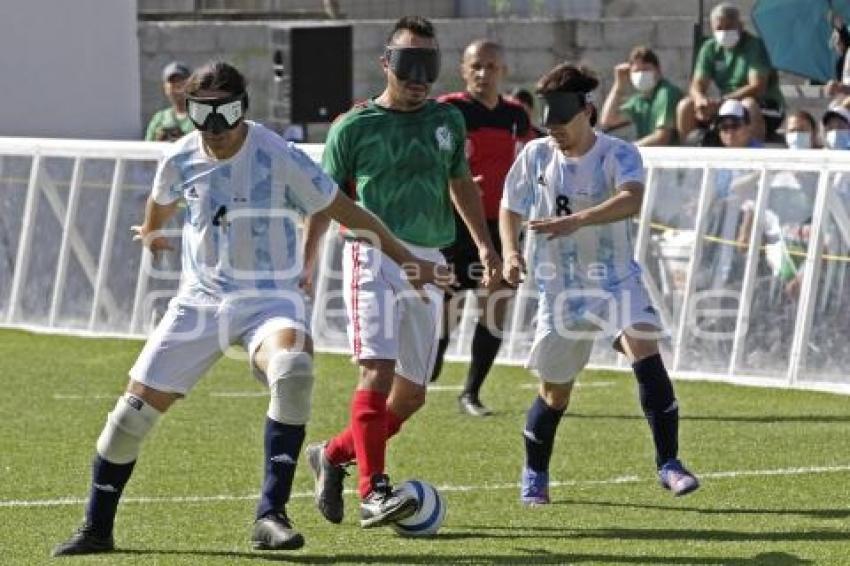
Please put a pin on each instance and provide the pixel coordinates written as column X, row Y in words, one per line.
column 798, row 140
column 217, row 115
column 727, row 38
column 838, row 139
column 644, row 81
column 562, row 107
column 418, row 64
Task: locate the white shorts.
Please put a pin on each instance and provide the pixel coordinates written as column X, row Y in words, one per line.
column 387, row 318
column 191, row 337
column 563, row 342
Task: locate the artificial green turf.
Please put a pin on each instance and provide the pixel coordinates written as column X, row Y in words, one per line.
column 211, row 446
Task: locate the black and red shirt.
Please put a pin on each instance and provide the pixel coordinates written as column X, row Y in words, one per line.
column 494, row 137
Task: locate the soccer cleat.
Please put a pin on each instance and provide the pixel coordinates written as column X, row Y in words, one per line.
column 328, row 489
column 84, row 541
column 471, row 406
column 676, row 478
column 535, row 487
column 275, row 532
column 383, row 505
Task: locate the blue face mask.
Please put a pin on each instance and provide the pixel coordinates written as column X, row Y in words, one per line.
column 838, row 139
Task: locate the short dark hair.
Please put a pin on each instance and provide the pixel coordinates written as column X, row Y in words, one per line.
column 644, row 54
column 568, row 77
column 216, row 75
column 416, row 25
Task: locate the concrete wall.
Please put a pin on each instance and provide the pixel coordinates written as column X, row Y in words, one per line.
column 70, row 69
column 534, row 46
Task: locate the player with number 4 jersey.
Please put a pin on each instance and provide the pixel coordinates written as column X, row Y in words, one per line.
column 579, row 189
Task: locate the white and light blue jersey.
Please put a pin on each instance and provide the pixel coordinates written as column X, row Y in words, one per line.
column 543, row 183
column 242, row 213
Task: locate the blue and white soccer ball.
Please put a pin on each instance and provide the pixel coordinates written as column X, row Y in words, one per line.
column 430, row 510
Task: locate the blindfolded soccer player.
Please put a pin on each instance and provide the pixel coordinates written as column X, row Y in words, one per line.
column 579, row 188
column 245, row 188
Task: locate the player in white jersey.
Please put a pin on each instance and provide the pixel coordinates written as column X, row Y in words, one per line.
column 244, row 190
column 579, row 188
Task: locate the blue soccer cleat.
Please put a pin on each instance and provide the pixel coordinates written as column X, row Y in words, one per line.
column 535, row 487
column 676, row 478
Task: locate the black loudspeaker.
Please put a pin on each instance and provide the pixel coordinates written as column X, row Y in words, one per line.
column 321, row 73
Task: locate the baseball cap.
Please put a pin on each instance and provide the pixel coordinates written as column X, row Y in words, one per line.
column 732, row 108
column 177, row 68
column 837, row 110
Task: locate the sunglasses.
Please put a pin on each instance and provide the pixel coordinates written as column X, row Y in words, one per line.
column 216, row 115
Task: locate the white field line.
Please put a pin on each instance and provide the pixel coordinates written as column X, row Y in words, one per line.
column 449, row 488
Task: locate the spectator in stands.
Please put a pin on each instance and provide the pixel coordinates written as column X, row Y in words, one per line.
column 836, row 127
column 738, row 65
column 735, row 125
column 652, row 109
column 172, row 123
column 526, row 99
column 801, row 131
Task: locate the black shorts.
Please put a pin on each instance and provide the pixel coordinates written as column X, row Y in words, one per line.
column 463, row 255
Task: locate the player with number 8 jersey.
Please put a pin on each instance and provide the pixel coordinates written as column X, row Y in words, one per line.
column 580, row 188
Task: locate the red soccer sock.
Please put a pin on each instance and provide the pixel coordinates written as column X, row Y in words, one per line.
column 340, row 448
column 369, row 431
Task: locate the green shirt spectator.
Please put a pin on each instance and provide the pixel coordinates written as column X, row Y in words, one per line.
column 729, row 69
column 172, row 123
column 653, row 110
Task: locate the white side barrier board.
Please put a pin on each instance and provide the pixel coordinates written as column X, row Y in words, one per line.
column 766, row 306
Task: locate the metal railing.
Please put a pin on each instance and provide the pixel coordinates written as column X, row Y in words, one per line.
column 768, row 306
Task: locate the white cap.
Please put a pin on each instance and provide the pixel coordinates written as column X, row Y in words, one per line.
column 839, row 111
column 732, row 108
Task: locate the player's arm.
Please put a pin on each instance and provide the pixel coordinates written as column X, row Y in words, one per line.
column 510, row 224
column 624, row 204
column 156, row 217
column 315, row 227
column 366, row 225
column 466, row 197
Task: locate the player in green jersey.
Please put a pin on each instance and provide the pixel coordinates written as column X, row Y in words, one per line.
column 403, row 156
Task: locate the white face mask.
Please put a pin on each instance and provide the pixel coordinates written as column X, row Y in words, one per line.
column 644, row 81
column 727, row 38
column 798, row 140
column 838, row 139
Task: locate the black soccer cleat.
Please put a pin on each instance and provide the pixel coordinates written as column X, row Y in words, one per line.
column 275, row 532
column 329, row 478
column 472, row 406
column 84, row 541
column 383, row 505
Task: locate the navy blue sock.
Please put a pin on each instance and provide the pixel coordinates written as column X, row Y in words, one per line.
column 485, row 348
column 108, row 481
column 282, row 446
column 442, row 346
column 541, row 424
column 658, row 402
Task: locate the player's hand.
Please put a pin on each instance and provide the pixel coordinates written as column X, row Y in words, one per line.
column 420, row 273
column 557, row 226
column 492, row 267
column 152, row 240
column 621, row 73
column 514, row 270
column 305, row 280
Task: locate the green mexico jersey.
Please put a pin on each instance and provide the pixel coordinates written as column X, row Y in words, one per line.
column 399, row 164
column 655, row 110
